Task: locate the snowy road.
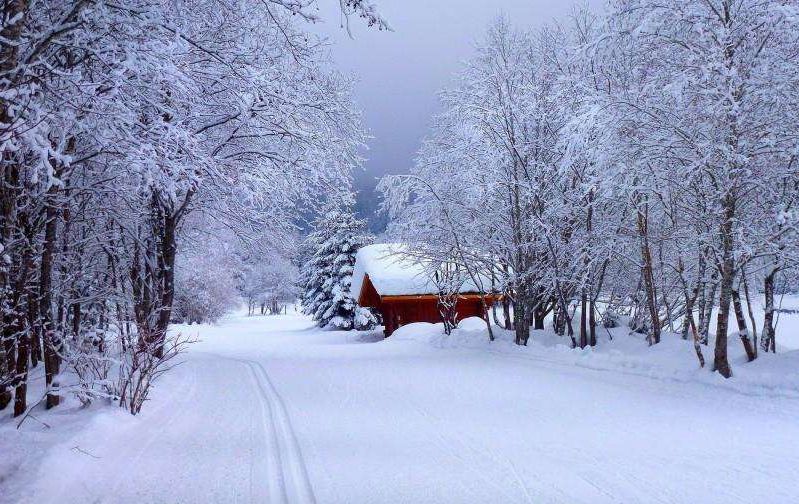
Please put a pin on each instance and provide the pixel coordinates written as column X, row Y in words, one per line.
column 271, row 410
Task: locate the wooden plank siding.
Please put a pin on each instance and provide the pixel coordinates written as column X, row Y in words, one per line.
column 398, row 310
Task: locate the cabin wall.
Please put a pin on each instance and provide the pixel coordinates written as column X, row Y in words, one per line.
column 399, row 313
column 368, row 297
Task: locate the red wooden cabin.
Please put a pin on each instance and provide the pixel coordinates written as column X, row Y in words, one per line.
column 402, row 293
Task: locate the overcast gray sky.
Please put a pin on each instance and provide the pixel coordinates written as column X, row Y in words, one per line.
column 400, row 72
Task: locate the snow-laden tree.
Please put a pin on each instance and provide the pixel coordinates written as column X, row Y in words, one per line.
column 327, row 275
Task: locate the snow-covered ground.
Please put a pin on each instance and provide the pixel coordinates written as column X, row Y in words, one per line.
column 271, row 409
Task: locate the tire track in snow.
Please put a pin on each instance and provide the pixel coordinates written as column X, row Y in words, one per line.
column 288, row 480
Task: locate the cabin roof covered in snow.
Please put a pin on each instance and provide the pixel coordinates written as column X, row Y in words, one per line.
column 393, row 273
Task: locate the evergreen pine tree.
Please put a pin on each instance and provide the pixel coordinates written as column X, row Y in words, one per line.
column 309, row 281
column 327, row 275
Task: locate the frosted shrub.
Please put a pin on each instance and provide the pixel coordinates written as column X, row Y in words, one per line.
column 204, row 289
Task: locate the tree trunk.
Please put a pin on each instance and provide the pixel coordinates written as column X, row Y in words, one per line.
column 486, row 317
column 570, row 329
column 751, row 314
column 521, row 319
column 704, row 327
column 506, row 313
column 539, row 314
column 9, row 354
column 495, row 317
column 21, row 371
column 648, row 274
column 583, row 319
column 52, row 359
column 21, row 290
column 11, row 34
column 690, row 299
column 169, row 252
column 559, row 320
column 22, row 332
column 701, row 305
column 697, row 342
column 767, row 339
column 35, row 333
column 76, row 318
column 588, row 286
column 720, row 362
column 9, row 180
column 728, row 205
column 743, row 331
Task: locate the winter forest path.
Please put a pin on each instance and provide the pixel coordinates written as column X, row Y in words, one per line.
column 271, row 409
column 216, row 430
column 218, row 434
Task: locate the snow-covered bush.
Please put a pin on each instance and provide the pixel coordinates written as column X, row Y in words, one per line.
column 139, row 365
column 610, row 319
column 204, row 287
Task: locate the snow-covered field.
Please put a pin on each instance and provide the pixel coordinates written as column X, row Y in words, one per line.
column 271, row 409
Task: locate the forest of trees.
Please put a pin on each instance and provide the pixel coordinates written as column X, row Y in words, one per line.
column 639, row 163
column 139, row 137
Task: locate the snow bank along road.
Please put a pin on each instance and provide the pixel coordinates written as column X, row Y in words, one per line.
column 268, row 409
